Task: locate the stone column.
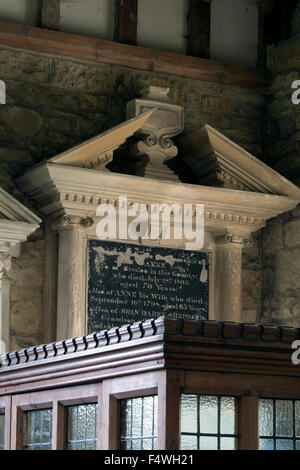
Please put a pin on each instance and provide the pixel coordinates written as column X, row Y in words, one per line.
column 228, row 301
column 5, row 265
column 71, row 283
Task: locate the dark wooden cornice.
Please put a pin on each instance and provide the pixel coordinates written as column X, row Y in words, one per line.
column 234, row 348
column 139, row 58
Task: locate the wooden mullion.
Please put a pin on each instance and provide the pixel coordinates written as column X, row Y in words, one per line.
column 50, row 14
column 249, row 423
column 126, row 21
column 198, row 28
column 169, row 396
column 60, row 426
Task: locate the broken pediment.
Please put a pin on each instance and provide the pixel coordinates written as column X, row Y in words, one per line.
column 97, row 152
column 218, row 161
column 14, row 211
column 17, row 222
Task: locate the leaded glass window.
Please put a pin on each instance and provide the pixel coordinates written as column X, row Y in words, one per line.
column 38, row 430
column 139, row 423
column 82, row 427
column 2, row 430
column 279, row 424
column 209, row 422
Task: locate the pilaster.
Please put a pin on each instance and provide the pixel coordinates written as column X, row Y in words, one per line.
column 229, row 252
column 71, row 295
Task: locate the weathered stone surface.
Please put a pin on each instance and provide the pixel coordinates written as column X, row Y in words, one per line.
column 273, row 236
column 281, row 137
column 296, row 21
column 287, row 270
column 251, row 289
column 292, row 234
column 26, row 276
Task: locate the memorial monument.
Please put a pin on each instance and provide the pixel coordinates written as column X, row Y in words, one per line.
column 95, row 284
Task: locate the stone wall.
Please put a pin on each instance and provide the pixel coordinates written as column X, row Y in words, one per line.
column 54, row 103
column 26, row 303
column 281, row 150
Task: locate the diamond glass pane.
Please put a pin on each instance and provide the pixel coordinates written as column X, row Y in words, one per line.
column 38, row 430
column 2, row 430
column 279, row 424
column 208, row 422
column 138, row 423
column 82, row 427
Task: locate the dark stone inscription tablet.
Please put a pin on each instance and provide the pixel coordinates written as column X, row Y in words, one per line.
column 128, row 283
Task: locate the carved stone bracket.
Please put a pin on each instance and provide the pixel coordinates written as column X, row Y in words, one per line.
column 244, row 241
column 166, row 121
column 235, row 239
column 67, row 222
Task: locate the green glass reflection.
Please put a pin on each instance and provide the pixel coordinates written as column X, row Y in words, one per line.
column 189, row 418
column 38, row 430
column 2, row 430
column 284, row 418
column 82, row 427
column 138, row 426
column 266, row 418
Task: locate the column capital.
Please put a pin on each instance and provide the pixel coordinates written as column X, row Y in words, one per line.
column 233, row 239
column 5, row 266
column 68, row 222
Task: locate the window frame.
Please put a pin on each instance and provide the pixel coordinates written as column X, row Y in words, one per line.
column 5, row 408
column 219, row 435
column 58, row 401
column 274, row 437
column 116, row 389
